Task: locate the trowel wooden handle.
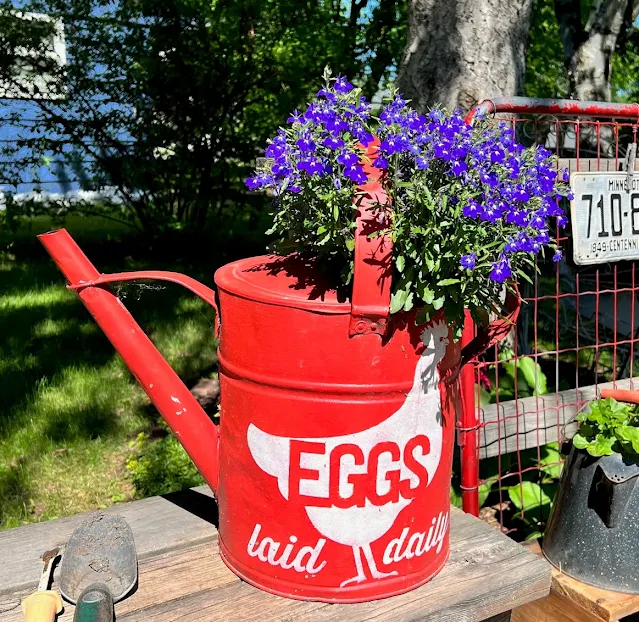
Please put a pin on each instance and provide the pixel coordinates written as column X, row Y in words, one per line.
column 621, row 395
column 41, row 606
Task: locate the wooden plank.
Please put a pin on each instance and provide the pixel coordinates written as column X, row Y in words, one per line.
column 158, row 524
column 533, row 421
column 237, row 601
column 601, row 604
column 175, row 575
column 487, row 575
column 552, row 608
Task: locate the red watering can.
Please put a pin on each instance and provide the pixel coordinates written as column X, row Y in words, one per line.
column 332, row 461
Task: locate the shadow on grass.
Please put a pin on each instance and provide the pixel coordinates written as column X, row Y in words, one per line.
column 61, row 384
column 57, row 368
column 15, row 490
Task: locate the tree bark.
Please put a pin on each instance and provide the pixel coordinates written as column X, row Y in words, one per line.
column 460, row 52
column 588, row 49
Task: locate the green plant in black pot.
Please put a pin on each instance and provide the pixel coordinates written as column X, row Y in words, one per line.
column 591, row 532
column 609, row 427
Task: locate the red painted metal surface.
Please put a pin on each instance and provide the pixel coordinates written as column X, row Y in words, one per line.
column 373, row 255
column 561, row 107
column 578, row 323
column 467, row 427
column 335, row 450
column 341, row 445
column 621, row 395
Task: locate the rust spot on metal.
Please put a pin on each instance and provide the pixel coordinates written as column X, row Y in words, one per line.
column 47, row 556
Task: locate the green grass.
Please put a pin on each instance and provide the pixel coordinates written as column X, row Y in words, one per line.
column 69, row 409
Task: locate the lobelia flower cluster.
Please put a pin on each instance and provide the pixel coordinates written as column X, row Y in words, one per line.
column 470, row 207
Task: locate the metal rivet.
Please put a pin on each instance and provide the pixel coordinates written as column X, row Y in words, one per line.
column 361, row 326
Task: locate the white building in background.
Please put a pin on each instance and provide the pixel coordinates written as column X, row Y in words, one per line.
column 32, row 81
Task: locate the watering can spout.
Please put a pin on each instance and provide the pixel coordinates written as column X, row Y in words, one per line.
column 191, row 425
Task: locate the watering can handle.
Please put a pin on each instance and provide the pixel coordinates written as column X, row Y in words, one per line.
column 621, row 395
column 495, row 331
column 200, row 290
column 372, row 264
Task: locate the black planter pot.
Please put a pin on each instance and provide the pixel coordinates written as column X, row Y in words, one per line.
column 592, row 529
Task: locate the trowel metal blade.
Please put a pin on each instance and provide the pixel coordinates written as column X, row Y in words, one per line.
column 100, row 550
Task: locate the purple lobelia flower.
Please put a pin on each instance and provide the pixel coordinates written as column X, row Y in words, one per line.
column 342, row 85
column 333, row 143
column 260, row 180
column 501, row 270
column 347, row 158
column 459, row 167
column 305, row 144
column 452, row 186
column 472, row 209
column 468, row 261
column 381, row 162
column 355, row 174
column 296, row 117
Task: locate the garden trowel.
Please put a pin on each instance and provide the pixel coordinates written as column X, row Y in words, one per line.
column 99, row 567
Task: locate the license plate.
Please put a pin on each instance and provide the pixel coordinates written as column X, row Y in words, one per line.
column 605, row 217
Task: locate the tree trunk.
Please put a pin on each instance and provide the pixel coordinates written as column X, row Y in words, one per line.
column 588, row 49
column 460, row 52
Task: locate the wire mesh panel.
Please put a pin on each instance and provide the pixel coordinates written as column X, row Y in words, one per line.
column 578, row 328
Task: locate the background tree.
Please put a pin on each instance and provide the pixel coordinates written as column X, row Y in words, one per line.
column 589, row 45
column 169, row 101
column 547, row 67
column 461, row 51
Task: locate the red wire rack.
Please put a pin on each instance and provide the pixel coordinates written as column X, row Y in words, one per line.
column 577, row 331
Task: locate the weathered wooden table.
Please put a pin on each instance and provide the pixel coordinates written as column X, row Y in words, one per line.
column 181, row 575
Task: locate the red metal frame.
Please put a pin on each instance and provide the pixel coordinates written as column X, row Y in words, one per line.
column 558, row 107
column 467, row 431
column 569, row 115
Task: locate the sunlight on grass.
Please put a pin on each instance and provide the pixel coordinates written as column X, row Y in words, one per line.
column 35, row 298
column 71, row 411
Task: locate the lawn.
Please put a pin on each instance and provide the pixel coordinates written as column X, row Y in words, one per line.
column 71, row 414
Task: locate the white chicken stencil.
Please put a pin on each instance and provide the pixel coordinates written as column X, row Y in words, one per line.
column 361, row 524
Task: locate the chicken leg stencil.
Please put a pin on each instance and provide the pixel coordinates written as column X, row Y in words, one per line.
column 354, row 486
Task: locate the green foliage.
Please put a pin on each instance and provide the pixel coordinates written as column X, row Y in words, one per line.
column 461, row 221
column 160, row 467
column 69, row 404
column 455, row 496
column 608, row 427
column 168, row 101
column 624, row 77
column 533, row 502
column 550, row 461
column 524, row 373
column 534, row 377
column 546, row 74
column 528, row 496
column 533, row 495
